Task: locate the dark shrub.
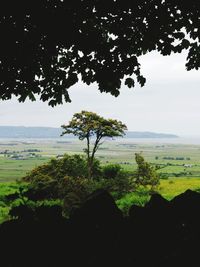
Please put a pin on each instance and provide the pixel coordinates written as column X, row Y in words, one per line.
column 111, row 171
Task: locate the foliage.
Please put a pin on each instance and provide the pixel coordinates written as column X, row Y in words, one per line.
column 146, row 173
column 49, row 186
column 74, row 192
column 53, row 44
column 139, row 197
column 121, row 185
column 63, row 179
column 53, row 181
column 71, row 165
column 111, row 171
column 26, row 200
column 40, row 190
column 66, row 179
column 87, row 125
column 9, row 192
column 115, row 180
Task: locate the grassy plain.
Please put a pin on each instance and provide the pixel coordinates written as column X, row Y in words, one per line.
column 117, row 151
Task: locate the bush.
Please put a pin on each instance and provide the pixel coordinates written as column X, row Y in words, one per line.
column 63, row 179
column 72, row 165
column 56, row 169
column 74, row 191
column 146, row 173
column 66, row 180
column 111, row 171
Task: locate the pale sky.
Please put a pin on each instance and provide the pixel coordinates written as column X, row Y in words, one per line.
column 168, row 103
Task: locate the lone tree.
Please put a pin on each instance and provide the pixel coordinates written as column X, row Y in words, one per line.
column 47, row 46
column 146, row 173
column 88, row 126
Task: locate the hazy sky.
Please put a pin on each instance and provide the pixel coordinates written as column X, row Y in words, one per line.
column 169, row 102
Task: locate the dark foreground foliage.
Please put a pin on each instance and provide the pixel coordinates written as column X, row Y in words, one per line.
column 160, row 234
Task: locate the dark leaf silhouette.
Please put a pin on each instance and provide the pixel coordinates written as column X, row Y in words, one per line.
column 48, row 46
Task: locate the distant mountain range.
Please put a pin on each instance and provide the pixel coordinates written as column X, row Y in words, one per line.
column 131, row 134
column 50, row 132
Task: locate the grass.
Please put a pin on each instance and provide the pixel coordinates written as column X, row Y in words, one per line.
column 138, row 198
column 168, row 189
column 175, row 186
column 10, row 169
column 6, row 189
column 116, row 151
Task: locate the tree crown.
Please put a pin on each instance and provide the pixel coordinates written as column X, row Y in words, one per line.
column 47, row 46
column 88, row 124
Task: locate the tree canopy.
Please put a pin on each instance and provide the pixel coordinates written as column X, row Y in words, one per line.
column 87, row 125
column 49, row 45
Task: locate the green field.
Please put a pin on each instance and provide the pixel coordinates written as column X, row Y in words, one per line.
column 167, row 156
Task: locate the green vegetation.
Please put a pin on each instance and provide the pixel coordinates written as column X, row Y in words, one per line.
column 66, row 180
column 89, row 125
column 5, row 190
column 167, row 188
column 115, row 168
column 145, row 173
column 12, row 169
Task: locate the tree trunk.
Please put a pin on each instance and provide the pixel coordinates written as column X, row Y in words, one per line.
column 90, row 155
column 90, row 166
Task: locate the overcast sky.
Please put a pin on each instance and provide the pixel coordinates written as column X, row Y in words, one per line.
column 168, row 103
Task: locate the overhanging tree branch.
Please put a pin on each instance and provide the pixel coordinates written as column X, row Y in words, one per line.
column 47, row 46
